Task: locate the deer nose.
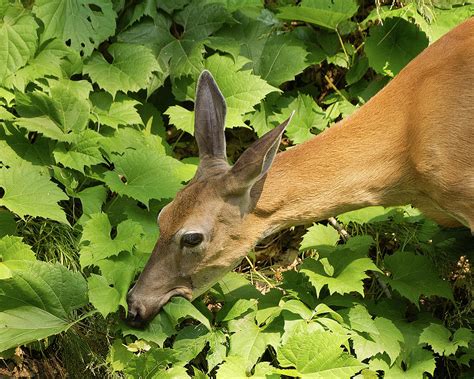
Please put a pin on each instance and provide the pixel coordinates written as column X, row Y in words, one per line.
column 135, row 317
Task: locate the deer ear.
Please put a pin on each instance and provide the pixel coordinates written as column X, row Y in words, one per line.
column 254, row 162
column 209, row 118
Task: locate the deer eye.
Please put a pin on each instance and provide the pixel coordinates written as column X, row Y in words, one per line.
column 191, row 239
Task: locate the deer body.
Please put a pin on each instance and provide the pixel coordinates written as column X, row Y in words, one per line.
column 411, row 143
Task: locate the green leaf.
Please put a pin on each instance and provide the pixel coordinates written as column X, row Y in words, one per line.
column 157, row 331
column 13, row 248
column 441, row 340
column 7, row 223
column 147, row 174
column 280, row 59
column 326, row 13
column 130, row 70
column 56, row 115
column 29, row 192
column 181, row 118
column 179, row 308
column 109, row 291
column 317, row 354
column 18, row 40
column 447, row 19
column 318, row 235
column 418, row 278
column 392, row 45
column 83, row 24
column 308, row 115
column 235, row 367
column 385, row 338
column 250, row 341
column 241, row 90
column 97, row 243
column 343, row 271
column 104, row 297
column 83, row 151
column 420, row 361
column 38, row 301
column 368, row 215
column 114, row 112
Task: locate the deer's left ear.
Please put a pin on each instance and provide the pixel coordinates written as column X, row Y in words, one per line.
column 254, row 162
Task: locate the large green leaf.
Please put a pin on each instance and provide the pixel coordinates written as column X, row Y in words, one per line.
column 18, row 40
column 82, row 151
column 392, row 45
column 317, row 354
column 97, row 243
column 29, row 192
column 13, row 248
column 130, row 70
column 56, row 115
column 343, row 271
column 418, row 278
column 250, row 341
column 147, row 174
column 82, row 24
column 114, row 112
column 326, row 13
column 441, row 340
column 420, row 361
column 109, row 291
column 37, row 301
column 319, row 235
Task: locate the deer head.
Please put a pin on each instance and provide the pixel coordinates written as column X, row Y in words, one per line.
column 201, row 230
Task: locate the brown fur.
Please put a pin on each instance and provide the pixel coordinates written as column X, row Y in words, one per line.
column 411, row 143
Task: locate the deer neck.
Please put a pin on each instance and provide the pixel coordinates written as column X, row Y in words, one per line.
column 358, row 162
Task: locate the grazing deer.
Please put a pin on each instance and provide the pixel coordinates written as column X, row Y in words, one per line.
column 411, row 143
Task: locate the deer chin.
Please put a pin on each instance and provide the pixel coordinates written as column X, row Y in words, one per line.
column 145, row 313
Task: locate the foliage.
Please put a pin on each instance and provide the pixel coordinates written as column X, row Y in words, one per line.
column 96, row 137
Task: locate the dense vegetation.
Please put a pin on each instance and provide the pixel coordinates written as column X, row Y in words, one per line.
column 96, row 124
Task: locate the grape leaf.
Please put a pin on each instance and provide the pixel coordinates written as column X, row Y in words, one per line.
column 241, row 90
column 56, row 115
column 179, row 308
column 114, row 112
column 318, row 235
column 317, row 354
column 420, row 361
column 157, row 331
column 13, row 248
column 38, row 301
column 392, row 45
column 343, row 271
column 418, row 278
column 441, row 340
column 326, row 13
column 181, row 118
column 386, row 338
column 145, row 175
column 18, row 40
column 82, row 24
column 130, row 70
column 97, row 243
column 249, row 341
column 108, row 291
column 308, row 115
column 235, row 367
column 83, row 151
column 29, row 192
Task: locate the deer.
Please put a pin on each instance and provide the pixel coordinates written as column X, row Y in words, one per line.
column 412, row 143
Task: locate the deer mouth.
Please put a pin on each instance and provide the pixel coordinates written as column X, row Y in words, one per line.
column 140, row 313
